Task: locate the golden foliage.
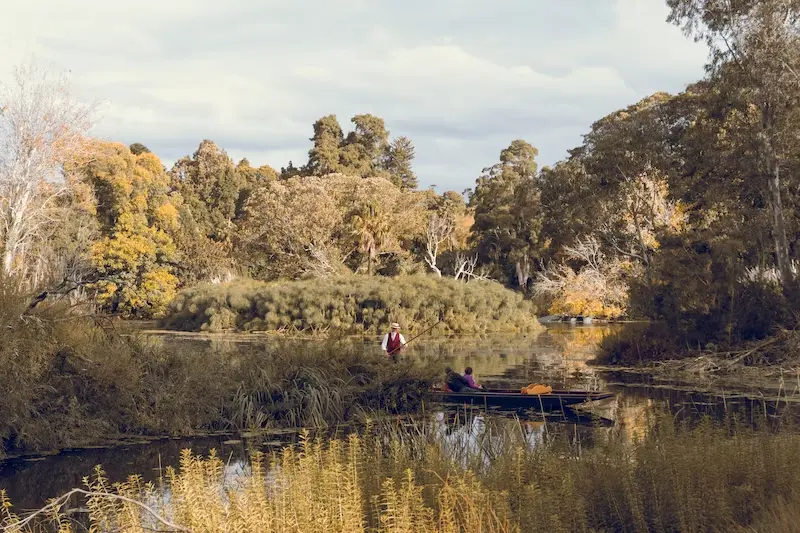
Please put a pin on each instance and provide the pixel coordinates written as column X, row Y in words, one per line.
column 673, row 479
column 134, row 257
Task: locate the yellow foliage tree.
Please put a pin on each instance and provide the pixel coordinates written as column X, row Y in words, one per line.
column 135, row 253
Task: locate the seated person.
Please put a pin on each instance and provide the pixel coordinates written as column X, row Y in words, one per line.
column 455, row 382
column 470, row 380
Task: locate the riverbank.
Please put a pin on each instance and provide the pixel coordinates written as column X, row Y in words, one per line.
column 71, row 381
column 771, row 363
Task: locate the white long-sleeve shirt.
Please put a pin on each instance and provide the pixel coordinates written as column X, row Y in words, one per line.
column 385, row 342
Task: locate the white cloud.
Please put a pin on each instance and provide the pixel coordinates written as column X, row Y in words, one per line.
column 462, row 78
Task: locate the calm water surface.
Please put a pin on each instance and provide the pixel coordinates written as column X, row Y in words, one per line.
column 558, row 357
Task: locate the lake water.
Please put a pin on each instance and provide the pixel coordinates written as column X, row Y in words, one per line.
column 558, row 357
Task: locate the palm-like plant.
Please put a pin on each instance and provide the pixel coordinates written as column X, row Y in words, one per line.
column 371, row 229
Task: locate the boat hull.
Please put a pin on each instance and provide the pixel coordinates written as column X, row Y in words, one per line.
column 508, row 399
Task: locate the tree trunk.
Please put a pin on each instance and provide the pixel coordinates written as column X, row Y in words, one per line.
column 10, row 250
column 370, row 259
column 779, row 228
column 772, row 171
column 8, row 260
column 523, row 273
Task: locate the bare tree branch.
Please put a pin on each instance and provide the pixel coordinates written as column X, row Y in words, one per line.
column 55, row 504
column 41, row 126
column 438, row 231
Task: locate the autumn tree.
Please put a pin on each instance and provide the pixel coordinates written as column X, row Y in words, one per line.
column 136, row 212
column 596, row 287
column 41, row 126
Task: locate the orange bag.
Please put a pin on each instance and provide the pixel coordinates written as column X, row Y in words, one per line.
column 537, row 389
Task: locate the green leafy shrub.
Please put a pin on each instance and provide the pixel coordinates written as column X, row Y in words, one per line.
column 354, row 304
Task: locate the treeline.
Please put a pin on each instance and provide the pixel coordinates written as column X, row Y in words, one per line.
column 679, row 207
column 117, row 229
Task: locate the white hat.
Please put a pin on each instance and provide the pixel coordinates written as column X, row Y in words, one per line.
column 395, row 325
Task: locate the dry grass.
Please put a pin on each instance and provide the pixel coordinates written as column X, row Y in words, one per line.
column 70, row 380
column 705, row 479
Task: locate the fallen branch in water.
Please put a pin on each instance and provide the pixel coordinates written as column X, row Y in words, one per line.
column 58, row 502
column 751, row 351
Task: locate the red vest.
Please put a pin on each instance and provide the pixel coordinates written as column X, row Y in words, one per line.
column 393, row 344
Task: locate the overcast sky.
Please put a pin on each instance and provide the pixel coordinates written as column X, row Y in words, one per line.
column 461, row 78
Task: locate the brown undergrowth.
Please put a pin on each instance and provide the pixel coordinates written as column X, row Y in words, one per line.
column 659, row 346
column 708, row 478
column 70, row 380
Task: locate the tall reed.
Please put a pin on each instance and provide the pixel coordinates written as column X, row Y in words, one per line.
column 676, row 479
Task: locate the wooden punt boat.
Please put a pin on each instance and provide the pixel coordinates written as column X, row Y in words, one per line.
column 514, row 399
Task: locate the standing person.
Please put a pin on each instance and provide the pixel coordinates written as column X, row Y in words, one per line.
column 393, row 342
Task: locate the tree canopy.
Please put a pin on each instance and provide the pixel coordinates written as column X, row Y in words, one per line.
column 679, row 207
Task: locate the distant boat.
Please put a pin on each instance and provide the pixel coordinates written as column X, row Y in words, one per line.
column 514, row 399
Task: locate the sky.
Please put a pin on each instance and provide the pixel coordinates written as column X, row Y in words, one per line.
column 461, row 78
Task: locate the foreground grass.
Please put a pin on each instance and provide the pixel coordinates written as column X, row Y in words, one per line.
column 354, row 304
column 676, row 479
column 69, row 380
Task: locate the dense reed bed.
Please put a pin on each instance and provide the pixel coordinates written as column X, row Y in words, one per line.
column 354, row 304
column 706, row 478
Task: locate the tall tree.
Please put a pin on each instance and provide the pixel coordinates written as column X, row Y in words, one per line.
column 324, row 157
column 755, row 53
column 41, row 126
column 250, row 178
column 399, row 156
column 137, row 214
column 364, row 150
column 507, row 210
column 210, row 187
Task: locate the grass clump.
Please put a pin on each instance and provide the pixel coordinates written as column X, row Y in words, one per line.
column 69, row 380
column 353, row 304
column 676, row 479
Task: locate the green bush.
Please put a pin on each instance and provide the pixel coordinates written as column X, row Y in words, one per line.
column 353, row 304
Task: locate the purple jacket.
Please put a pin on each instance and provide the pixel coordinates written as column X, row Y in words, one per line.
column 470, row 381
